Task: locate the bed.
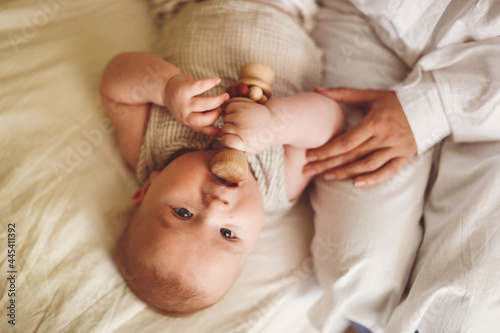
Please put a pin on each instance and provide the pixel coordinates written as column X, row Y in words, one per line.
column 65, row 189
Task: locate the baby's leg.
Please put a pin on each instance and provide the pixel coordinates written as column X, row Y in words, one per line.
column 366, row 239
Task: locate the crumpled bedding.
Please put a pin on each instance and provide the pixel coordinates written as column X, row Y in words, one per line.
column 66, row 188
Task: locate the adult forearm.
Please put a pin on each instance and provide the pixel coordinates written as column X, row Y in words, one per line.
column 454, row 90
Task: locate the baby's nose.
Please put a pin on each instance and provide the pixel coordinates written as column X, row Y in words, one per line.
column 211, row 198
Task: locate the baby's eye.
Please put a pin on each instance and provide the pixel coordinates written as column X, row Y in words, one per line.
column 183, row 213
column 226, row 233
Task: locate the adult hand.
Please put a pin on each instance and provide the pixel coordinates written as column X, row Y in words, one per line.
column 372, row 151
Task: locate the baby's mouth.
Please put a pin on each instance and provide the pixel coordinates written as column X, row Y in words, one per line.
column 224, row 182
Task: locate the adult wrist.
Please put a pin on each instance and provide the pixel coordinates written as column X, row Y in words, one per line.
column 424, row 111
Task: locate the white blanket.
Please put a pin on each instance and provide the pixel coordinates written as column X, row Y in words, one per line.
column 66, row 188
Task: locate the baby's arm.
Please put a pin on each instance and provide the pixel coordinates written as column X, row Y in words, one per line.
column 299, row 122
column 310, row 120
column 133, row 81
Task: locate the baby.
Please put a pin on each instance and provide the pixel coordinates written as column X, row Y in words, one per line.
column 191, row 231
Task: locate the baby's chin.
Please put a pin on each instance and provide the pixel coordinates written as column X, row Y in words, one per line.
column 213, row 281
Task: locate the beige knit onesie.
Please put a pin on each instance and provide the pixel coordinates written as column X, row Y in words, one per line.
column 214, row 38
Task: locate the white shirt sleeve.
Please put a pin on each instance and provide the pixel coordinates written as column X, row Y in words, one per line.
column 454, row 90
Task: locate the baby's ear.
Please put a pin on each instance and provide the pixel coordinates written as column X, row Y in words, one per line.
column 141, row 192
column 139, row 195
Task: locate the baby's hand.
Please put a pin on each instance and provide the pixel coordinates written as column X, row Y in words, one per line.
column 184, row 103
column 248, row 127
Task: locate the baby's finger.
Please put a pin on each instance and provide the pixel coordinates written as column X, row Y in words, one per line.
column 200, row 86
column 211, row 130
column 233, row 141
column 238, row 107
column 229, row 128
column 233, row 119
column 199, row 103
column 202, row 119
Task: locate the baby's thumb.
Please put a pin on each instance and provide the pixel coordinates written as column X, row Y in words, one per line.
column 202, row 119
column 211, row 130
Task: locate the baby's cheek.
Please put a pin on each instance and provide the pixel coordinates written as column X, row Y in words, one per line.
column 255, row 209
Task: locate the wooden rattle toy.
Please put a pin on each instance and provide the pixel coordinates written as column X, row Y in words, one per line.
column 253, row 86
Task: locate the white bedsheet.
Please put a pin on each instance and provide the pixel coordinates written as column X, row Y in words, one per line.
column 65, row 186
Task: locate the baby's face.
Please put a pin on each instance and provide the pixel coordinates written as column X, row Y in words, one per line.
column 195, row 225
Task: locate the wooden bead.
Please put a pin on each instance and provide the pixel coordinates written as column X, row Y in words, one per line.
column 230, row 164
column 255, row 83
column 255, row 74
column 255, row 93
column 263, row 100
column 242, row 89
column 257, row 70
column 232, row 91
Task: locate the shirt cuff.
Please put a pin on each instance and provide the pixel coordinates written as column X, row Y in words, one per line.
column 423, row 109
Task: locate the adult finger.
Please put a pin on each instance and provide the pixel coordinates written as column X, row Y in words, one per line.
column 361, row 151
column 341, row 144
column 355, row 97
column 383, row 174
column 365, row 165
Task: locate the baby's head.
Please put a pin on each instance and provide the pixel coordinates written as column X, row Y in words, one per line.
column 189, row 236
